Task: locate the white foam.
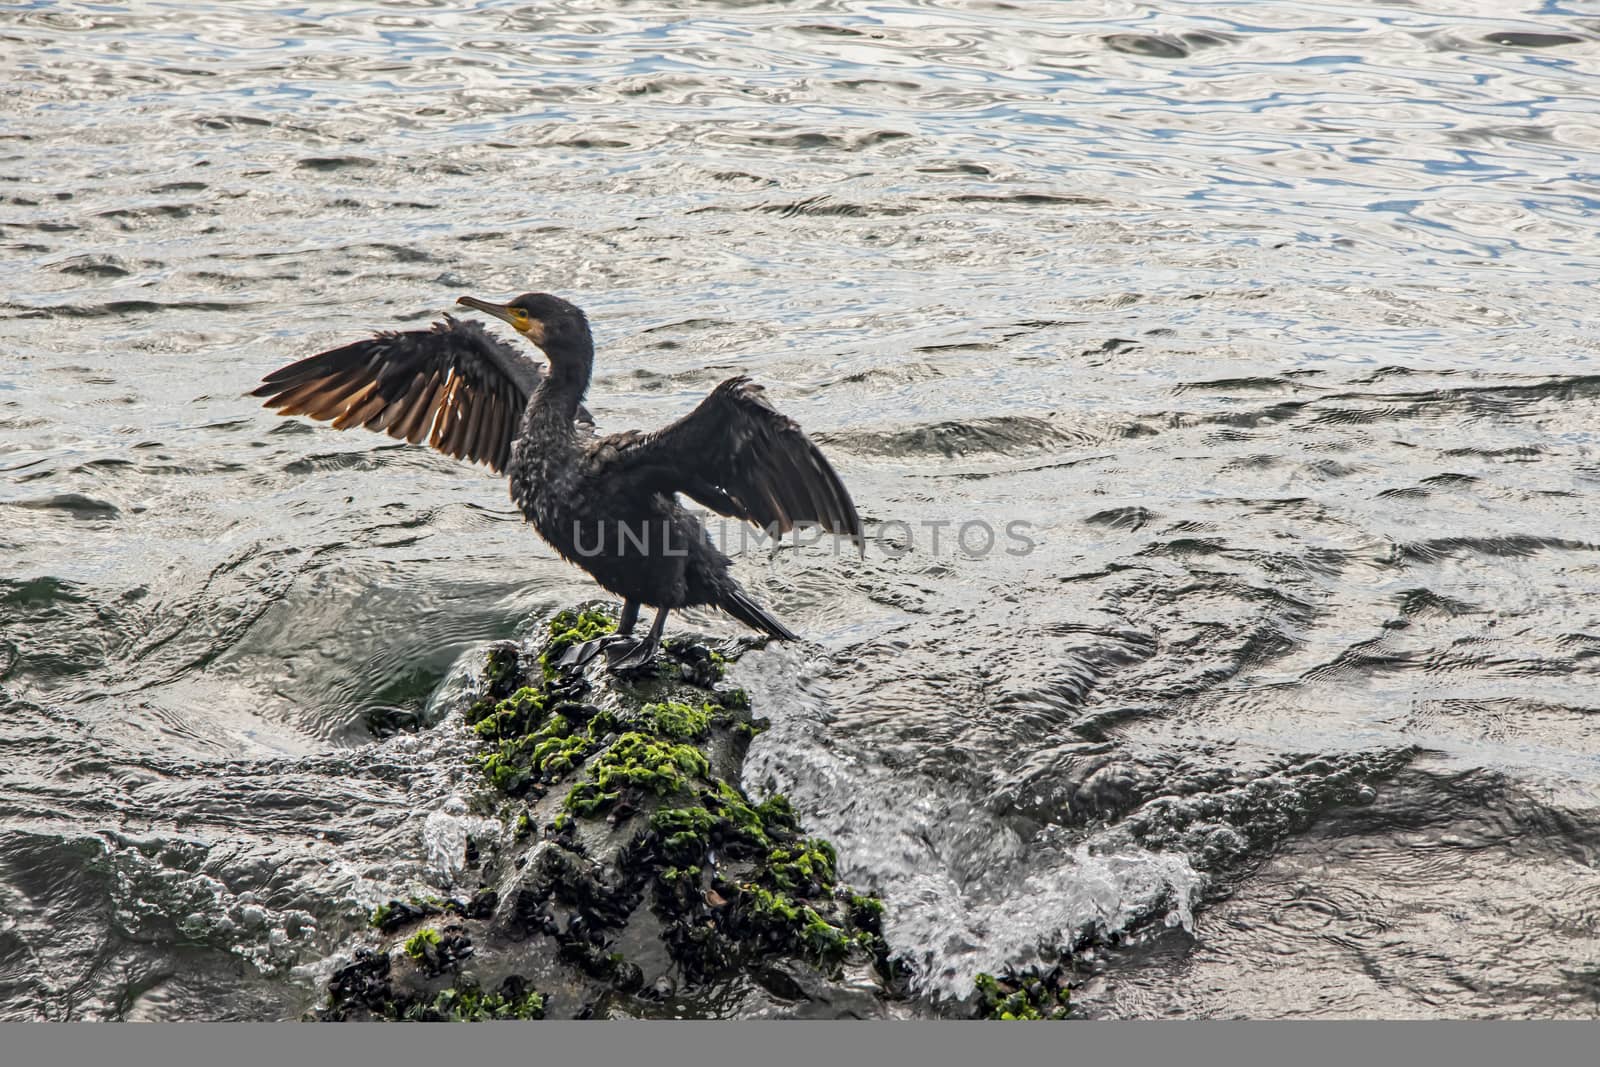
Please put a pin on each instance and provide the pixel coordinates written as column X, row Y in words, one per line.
column 964, row 892
column 444, row 836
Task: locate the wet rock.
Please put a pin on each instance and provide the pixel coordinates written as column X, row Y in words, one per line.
column 1031, row 994
column 633, row 871
column 361, row 986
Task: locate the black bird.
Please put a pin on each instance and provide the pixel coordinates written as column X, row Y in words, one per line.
column 608, row 504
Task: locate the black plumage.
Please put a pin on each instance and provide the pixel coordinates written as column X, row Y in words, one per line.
column 608, row 504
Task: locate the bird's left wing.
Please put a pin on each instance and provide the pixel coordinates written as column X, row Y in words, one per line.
column 738, row 455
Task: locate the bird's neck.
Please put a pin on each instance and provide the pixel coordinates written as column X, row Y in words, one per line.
column 564, row 386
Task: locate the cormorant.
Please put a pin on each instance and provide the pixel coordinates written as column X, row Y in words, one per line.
column 608, row 504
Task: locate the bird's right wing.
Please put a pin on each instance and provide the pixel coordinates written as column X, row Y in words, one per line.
column 454, row 384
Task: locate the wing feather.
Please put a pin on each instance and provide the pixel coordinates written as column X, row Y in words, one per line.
column 454, row 385
column 739, row 456
column 365, row 404
column 390, row 418
column 454, row 439
column 500, row 411
column 409, row 427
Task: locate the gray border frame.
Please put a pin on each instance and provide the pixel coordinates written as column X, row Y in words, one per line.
column 1337, row 1044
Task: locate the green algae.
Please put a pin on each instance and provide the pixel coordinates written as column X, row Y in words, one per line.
column 499, row 671
column 366, row 989
column 499, row 664
column 570, row 628
column 826, row 943
column 546, row 750
column 865, row 913
column 517, row 714
column 770, row 908
column 436, row 951
column 810, row 864
column 679, row 721
column 777, row 904
column 737, row 815
column 724, row 813
column 503, row 772
column 757, row 824
column 466, row 1003
column 419, row 944
column 685, row 833
column 556, row 748
column 865, row 909
column 636, row 761
column 537, row 739
column 1023, row 997
column 391, row 915
column 778, row 919
column 695, row 823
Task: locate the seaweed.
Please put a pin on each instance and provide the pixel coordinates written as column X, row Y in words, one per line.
column 467, row 1003
column 636, row 761
column 1028, row 995
column 680, row 721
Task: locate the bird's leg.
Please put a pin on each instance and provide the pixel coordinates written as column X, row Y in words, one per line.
column 630, row 616
column 578, row 655
column 630, row 655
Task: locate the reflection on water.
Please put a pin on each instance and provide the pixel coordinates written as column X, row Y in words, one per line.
column 1273, row 320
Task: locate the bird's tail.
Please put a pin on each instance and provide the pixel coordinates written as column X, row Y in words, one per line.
column 753, row 615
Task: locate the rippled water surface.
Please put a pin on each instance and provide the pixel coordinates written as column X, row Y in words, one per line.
column 1273, row 323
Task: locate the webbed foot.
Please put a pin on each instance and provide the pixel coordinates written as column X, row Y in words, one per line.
column 630, row 654
column 580, row 654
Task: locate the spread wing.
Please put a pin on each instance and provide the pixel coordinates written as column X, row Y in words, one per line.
column 739, row 456
column 454, row 384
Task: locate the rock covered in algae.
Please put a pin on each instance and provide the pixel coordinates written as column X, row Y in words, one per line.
column 1027, row 995
column 633, row 877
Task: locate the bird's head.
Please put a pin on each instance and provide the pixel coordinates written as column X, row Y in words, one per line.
column 550, row 322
